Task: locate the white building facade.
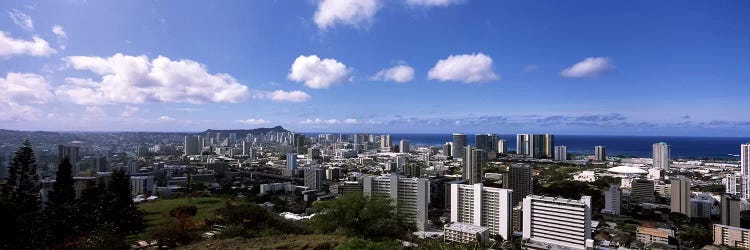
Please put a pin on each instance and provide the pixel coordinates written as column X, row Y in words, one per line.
column 483, row 206
column 557, row 221
column 411, row 195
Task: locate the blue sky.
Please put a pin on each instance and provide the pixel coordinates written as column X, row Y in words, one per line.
column 436, row 66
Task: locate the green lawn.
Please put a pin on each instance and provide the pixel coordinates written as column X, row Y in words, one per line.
column 157, row 212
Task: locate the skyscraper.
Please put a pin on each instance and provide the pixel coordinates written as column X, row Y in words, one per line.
column 745, row 170
column 519, row 180
column 680, row 197
column 642, row 190
column 549, row 146
column 291, row 161
column 561, row 153
column 70, row 152
column 411, row 195
column 612, row 200
column 482, row 206
column 486, row 142
column 404, row 146
column 385, row 142
column 600, row 153
column 447, row 149
column 522, row 144
column 459, row 143
column 472, row 172
column 299, row 143
column 662, row 155
column 730, row 210
column 557, row 221
column 192, row 145
column 314, row 178
column 502, row 146
column 537, row 145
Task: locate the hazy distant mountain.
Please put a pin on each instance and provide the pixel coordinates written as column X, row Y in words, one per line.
column 244, row 132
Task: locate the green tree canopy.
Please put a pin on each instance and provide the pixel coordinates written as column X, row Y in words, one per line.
column 355, row 215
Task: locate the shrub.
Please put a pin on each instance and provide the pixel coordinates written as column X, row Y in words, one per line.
column 188, row 210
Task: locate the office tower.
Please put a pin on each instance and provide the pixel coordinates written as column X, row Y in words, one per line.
column 662, row 155
column 291, row 161
column 472, row 172
column 612, row 201
column 549, row 146
column 70, row 152
column 459, row 143
column 537, row 144
column 557, row 221
column 522, row 144
column 191, row 146
column 483, row 206
column 680, row 198
column 314, row 178
column 502, row 146
column 403, row 146
column 600, row 153
column 642, row 190
column 486, row 142
column 385, row 142
column 299, row 143
column 411, row 195
column 519, row 180
column 447, row 149
column 561, row 153
column 730, row 210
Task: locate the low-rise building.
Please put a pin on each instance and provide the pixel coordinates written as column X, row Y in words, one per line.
column 649, row 235
column 466, row 233
column 731, row 236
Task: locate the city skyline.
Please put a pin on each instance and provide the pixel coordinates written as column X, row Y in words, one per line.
column 584, row 68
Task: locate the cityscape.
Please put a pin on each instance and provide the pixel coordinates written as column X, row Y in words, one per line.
column 373, row 124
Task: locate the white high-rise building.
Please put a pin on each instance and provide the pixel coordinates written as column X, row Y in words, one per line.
column 482, row 206
column 612, row 200
column 385, row 142
column 192, row 145
column 404, row 146
column 600, row 153
column 745, row 170
column 662, row 155
column 410, row 194
column 557, row 221
column 502, row 146
column 561, row 153
column 732, row 184
column 522, row 144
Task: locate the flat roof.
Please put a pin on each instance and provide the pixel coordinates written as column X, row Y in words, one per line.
column 466, row 228
column 653, row 232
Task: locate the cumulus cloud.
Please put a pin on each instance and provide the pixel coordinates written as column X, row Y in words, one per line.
column 433, row 3
column 10, row 46
column 21, row 19
column 61, row 36
column 468, row 68
column 137, row 79
column 253, row 121
column 317, row 73
column 129, row 111
column 589, row 67
column 165, row 118
column 288, row 96
column 400, row 73
column 347, row 12
column 18, row 91
column 351, row 121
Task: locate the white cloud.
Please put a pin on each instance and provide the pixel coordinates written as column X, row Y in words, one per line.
column 468, row 68
column 589, row 67
column 129, row 111
column 61, row 36
column 11, row 111
column 253, row 121
column 348, row 12
column 21, row 19
column 318, row 121
column 400, row 73
column 18, row 91
column 317, row 73
column 165, row 118
column 433, row 3
column 351, row 121
column 288, row 96
column 136, row 79
column 10, row 46
column 95, row 112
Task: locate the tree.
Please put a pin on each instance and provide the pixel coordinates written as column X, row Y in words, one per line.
column 355, row 215
column 121, row 211
column 60, row 217
column 23, row 187
column 63, row 192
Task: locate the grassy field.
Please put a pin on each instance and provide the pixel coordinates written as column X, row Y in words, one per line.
column 157, row 212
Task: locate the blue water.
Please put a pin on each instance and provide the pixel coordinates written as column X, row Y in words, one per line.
column 640, row 146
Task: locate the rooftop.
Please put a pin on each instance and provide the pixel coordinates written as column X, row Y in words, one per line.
column 466, row 228
column 653, row 232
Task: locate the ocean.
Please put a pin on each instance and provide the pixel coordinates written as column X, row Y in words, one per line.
column 639, row 146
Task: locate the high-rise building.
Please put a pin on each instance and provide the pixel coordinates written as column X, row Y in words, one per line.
column 291, row 161
column 680, row 197
column 99, row 164
column 385, row 142
column 472, row 171
column 314, row 178
column 502, row 146
column 557, row 221
column 549, row 146
column 299, row 143
column 745, row 170
column 662, row 155
column 486, row 142
column 192, row 145
column 730, row 210
column 561, row 153
column 70, row 152
column 403, row 146
column 459, row 143
column 642, row 190
column 600, row 153
column 519, row 180
column 612, row 200
column 411, row 195
column 522, row 144
column 447, row 149
column 537, row 145
column 248, row 150
column 732, row 184
column 482, row 206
